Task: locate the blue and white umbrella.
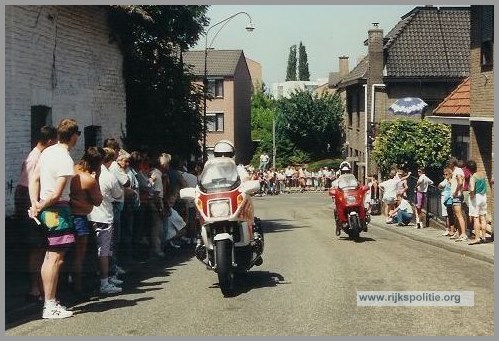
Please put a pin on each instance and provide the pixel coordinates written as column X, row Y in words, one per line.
column 408, row 106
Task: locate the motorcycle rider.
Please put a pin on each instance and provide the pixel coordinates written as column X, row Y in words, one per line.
column 345, row 168
column 346, row 173
column 225, row 148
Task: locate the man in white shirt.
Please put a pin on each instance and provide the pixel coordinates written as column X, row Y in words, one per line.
column 51, row 183
column 389, row 188
column 264, row 160
column 421, row 188
column 101, row 218
column 119, row 172
column 402, row 214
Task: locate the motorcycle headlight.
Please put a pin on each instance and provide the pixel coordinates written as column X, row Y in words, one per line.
column 350, row 199
column 219, row 208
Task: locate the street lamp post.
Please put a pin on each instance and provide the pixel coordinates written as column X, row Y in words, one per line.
column 249, row 28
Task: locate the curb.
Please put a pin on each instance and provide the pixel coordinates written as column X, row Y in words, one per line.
column 447, row 246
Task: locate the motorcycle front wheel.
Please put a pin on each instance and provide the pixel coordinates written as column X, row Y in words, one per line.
column 225, row 271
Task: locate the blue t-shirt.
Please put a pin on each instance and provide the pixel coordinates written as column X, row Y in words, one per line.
column 446, row 193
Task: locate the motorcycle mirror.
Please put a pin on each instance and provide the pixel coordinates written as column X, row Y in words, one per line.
column 332, row 191
column 250, row 186
column 188, row 193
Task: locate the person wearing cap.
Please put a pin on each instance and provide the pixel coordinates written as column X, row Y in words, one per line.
column 345, row 168
column 225, row 148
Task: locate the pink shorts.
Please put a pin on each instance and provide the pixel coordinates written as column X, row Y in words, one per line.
column 420, row 199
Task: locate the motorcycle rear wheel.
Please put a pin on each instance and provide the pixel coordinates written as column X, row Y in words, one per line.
column 225, row 271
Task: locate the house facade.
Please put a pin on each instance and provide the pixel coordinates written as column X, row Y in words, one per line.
column 255, row 70
column 424, row 55
column 482, row 93
column 334, row 78
column 228, row 110
column 285, row 89
column 469, row 110
column 59, row 63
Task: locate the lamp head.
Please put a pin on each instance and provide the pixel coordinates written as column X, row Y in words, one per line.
column 250, row 27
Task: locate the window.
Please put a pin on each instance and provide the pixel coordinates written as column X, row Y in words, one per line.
column 216, row 88
column 487, row 37
column 350, row 108
column 215, row 122
column 280, row 91
column 487, row 52
column 93, row 136
column 40, row 116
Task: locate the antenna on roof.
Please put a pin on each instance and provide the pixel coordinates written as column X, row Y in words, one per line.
column 375, row 24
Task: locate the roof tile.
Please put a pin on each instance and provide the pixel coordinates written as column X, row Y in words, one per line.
column 457, row 103
column 219, row 62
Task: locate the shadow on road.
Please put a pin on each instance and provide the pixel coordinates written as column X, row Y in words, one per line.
column 361, row 239
column 279, row 225
column 102, row 306
column 250, row 280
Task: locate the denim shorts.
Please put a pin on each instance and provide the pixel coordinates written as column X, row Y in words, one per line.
column 81, row 226
column 457, row 201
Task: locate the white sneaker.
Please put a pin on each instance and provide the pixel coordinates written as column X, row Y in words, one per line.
column 56, row 312
column 110, row 289
column 115, row 281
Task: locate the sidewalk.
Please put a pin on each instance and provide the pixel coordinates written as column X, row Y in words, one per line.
column 433, row 236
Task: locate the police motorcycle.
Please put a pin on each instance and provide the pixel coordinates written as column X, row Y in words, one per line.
column 350, row 213
column 231, row 237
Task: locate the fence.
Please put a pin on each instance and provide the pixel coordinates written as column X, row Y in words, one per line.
column 433, row 204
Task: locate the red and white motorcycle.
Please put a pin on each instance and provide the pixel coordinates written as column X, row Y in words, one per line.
column 232, row 239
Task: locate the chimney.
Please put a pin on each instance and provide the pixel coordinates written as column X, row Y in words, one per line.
column 344, row 69
column 375, row 55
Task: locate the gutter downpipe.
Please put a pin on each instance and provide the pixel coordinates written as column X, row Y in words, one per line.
column 378, row 85
column 366, row 156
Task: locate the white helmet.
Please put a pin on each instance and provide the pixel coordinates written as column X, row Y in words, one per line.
column 223, row 148
column 345, row 167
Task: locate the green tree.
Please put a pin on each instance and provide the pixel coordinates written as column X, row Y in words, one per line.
column 312, row 122
column 303, row 72
column 291, row 70
column 263, row 112
column 409, row 144
column 163, row 106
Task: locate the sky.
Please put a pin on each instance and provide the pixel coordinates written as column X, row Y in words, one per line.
column 326, row 31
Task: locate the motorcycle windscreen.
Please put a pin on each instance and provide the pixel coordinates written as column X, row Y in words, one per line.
column 219, row 175
column 347, row 181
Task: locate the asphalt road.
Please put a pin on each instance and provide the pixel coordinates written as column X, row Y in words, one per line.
column 307, row 285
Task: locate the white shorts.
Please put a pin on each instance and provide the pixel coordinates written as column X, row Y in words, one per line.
column 478, row 205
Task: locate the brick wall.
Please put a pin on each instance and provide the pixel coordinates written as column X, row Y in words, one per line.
column 60, row 57
column 481, row 104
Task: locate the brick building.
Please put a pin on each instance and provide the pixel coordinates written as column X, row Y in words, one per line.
column 425, row 55
column 229, row 110
column 482, row 93
column 59, row 63
column 469, row 109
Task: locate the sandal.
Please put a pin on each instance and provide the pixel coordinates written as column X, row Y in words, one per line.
column 475, row 241
column 454, row 236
